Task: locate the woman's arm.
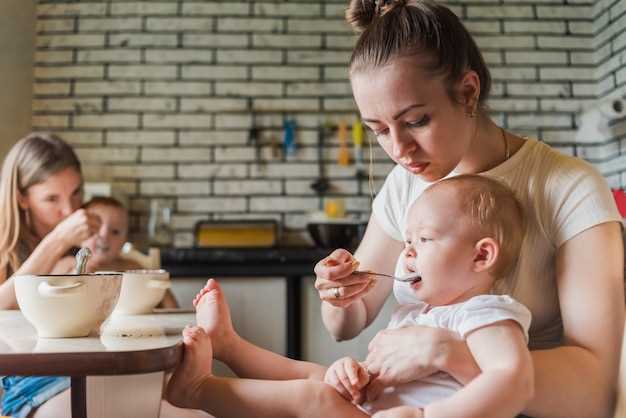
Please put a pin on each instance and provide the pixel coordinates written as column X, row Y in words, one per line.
column 378, row 252
column 42, row 260
column 579, row 378
column 506, row 383
column 65, row 266
column 73, row 230
column 402, row 355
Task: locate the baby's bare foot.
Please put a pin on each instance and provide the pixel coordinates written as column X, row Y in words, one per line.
column 183, row 387
column 213, row 315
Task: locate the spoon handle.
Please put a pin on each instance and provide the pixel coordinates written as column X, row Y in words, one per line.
column 81, row 260
column 373, row 273
column 408, row 278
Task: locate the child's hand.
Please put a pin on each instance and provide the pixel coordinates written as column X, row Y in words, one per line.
column 400, row 412
column 348, row 377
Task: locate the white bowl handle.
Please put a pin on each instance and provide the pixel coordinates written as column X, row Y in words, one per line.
column 159, row 284
column 46, row 289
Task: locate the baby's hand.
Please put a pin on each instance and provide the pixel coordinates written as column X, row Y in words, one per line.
column 348, row 377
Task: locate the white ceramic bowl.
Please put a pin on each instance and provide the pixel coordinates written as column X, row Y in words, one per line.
column 69, row 305
column 142, row 290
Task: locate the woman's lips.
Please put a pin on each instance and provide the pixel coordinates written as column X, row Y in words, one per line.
column 417, row 168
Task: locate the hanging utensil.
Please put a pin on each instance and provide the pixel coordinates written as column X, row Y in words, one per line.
column 357, row 142
column 254, row 138
column 289, row 137
column 321, row 184
column 343, row 157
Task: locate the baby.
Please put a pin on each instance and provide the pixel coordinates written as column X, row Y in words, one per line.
column 106, row 244
column 463, row 234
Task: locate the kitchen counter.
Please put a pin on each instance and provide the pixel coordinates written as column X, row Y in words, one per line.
column 274, row 261
column 292, row 263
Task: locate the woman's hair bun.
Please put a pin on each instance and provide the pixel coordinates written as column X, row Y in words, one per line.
column 361, row 13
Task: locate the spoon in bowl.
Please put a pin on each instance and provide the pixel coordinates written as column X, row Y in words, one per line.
column 409, row 278
column 82, row 256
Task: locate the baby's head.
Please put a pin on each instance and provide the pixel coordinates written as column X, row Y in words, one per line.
column 106, row 245
column 463, row 234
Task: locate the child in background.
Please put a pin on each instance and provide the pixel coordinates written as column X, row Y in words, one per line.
column 463, row 235
column 106, row 245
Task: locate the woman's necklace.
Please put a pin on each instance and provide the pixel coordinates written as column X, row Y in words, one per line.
column 506, row 145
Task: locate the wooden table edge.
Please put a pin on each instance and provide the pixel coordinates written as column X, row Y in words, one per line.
column 92, row 363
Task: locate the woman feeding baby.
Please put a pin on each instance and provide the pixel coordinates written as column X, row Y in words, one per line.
column 42, row 222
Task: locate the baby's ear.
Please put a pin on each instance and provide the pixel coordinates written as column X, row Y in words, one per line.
column 486, row 253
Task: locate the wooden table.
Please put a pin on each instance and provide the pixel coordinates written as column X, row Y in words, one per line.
column 131, row 345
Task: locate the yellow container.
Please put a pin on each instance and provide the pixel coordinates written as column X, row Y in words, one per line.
column 225, row 234
column 334, row 208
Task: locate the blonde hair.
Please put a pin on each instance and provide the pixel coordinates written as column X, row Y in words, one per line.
column 31, row 160
column 495, row 210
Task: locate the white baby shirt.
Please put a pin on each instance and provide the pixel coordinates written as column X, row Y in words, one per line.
column 462, row 318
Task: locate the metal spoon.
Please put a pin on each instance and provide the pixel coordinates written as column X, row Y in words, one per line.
column 409, row 278
column 81, row 260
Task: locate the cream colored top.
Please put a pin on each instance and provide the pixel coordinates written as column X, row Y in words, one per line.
column 562, row 197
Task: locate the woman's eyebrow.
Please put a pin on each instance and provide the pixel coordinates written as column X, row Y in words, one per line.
column 406, row 109
column 397, row 115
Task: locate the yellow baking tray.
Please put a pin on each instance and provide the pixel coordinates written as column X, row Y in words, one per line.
column 229, row 234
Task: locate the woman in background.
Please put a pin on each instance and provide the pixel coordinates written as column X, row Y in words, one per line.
column 41, row 221
column 41, row 190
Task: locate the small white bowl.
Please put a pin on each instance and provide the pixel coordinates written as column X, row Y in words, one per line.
column 68, row 305
column 142, row 290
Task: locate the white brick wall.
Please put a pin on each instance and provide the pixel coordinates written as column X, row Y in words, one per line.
column 156, row 95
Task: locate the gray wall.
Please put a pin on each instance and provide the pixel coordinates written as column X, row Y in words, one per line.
column 17, row 37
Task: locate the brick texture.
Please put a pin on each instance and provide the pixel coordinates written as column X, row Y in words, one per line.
column 159, row 96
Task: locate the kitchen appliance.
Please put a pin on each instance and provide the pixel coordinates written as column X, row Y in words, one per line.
column 595, row 124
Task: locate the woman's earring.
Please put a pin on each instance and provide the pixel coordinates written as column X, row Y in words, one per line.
column 472, row 113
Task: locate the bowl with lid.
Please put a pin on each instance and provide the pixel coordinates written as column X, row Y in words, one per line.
column 67, row 305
